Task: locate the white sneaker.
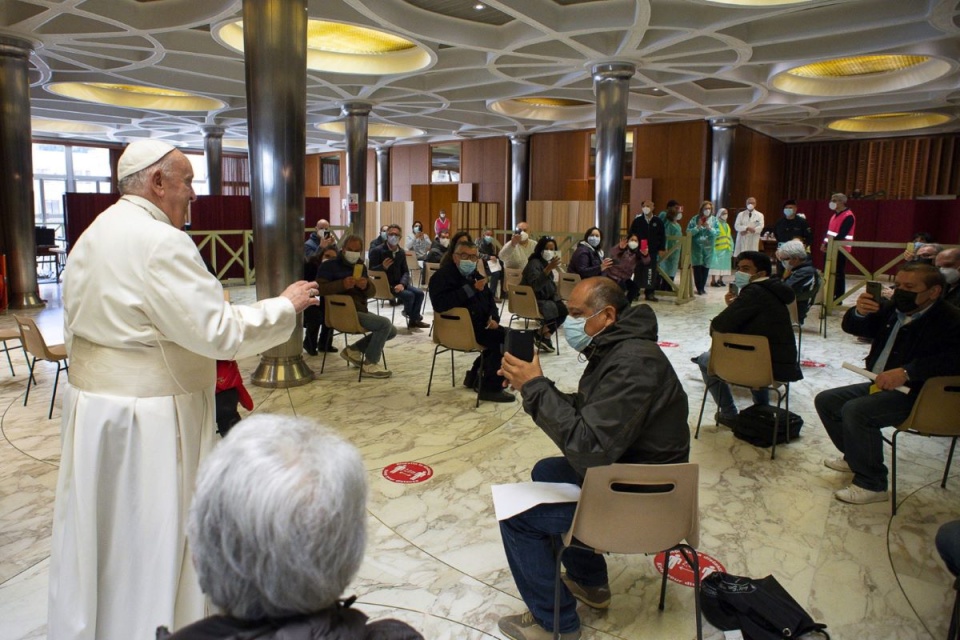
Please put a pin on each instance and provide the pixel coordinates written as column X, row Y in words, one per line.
column 352, row 355
column 858, row 495
column 837, row 464
column 376, row 370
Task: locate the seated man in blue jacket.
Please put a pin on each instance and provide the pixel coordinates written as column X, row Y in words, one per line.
column 390, row 258
column 629, row 408
column 458, row 284
column 915, row 336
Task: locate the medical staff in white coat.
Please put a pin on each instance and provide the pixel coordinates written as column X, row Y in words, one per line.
column 749, row 226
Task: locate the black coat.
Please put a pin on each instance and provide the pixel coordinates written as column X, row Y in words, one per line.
column 398, row 272
column 542, row 283
column 653, row 231
column 926, row 347
column 787, row 229
column 449, row 289
column 761, row 310
column 629, row 406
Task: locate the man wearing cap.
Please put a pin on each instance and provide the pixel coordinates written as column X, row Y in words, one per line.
column 144, row 323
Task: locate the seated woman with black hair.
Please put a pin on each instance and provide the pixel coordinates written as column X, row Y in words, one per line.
column 541, row 274
column 588, row 260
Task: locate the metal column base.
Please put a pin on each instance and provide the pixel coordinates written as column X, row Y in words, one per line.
column 25, row 301
column 282, row 373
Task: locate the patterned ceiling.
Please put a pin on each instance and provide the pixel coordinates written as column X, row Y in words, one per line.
column 696, row 59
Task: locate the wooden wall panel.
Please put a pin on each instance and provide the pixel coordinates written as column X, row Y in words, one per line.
column 555, row 159
column 409, row 165
column 897, row 168
column 675, row 156
column 442, row 196
column 420, row 196
column 312, row 182
column 486, row 163
column 757, row 171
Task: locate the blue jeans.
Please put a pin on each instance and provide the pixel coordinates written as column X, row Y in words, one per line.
column 381, row 330
column 720, row 390
column 530, row 538
column 948, row 545
column 853, row 418
column 412, row 300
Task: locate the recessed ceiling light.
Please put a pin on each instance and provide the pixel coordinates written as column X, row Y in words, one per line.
column 47, row 125
column 479, row 6
column 374, row 130
column 336, row 47
column 135, row 96
column 860, row 75
column 886, row 122
column 757, row 3
column 544, row 108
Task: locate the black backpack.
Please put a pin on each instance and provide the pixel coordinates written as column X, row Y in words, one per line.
column 755, row 425
column 762, row 609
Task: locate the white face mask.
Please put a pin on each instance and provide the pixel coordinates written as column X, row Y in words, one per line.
column 952, row 274
column 633, row 244
column 524, row 236
column 444, row 242
column 679, row 217
column 750, row 207
column 646, row 211
column 548, row 255
column 353, row 257
column 833, row 205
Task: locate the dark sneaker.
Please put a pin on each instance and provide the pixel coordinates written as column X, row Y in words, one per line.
column 524, row 627
column 496, row 395
column 727, row 420
column 544, row 343
column 596, row 597
column 310, row 348
column 418, row 324
column 470, row 380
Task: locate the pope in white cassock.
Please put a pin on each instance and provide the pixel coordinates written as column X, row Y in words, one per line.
column 144, row 323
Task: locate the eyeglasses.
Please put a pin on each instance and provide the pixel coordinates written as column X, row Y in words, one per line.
column 469, row 257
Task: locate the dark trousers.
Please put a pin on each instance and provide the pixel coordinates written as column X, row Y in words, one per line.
column 492, row 341
column 630, row 288
column 853, row 418
column 840, row 276
column 646, row 275
column 700, row 274
column 529, row 539
column 316, row 333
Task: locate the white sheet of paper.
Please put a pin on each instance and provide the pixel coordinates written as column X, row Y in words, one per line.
column 493, row 265
column 511, row 499
column 870, row 375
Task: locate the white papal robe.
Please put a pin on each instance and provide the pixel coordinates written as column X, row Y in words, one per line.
column 144, row 322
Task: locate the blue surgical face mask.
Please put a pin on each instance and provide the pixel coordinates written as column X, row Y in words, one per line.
column 594, row 241
column 575, row 332
column 786, row 265
column 393, row 240
column 383, row 235
column 917, row 245
column 789, row 212
column 741, row 279
column 466, row 267
column 488, row 239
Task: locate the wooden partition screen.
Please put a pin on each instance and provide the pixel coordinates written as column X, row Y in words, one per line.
column 474, row 216
column 381, row 213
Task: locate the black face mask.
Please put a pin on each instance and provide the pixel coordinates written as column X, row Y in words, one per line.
column 905, row 301
column 924, row 261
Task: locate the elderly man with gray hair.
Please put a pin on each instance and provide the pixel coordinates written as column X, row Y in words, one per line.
column 278, row 530
column 799, row 274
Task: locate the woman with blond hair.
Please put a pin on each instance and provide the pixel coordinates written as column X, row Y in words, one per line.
column 702, row 230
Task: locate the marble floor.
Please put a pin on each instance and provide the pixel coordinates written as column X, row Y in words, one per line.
column 434, row 556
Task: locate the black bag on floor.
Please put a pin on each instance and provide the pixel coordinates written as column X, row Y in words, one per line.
column 755, row 425
column 762, row 609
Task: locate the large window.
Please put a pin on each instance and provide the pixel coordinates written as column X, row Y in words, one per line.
column 330, row 171
column 445, row 162
column 59, row 168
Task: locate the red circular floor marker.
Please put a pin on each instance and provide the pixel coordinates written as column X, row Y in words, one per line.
column 811, row 363
column 407, row 472
column 668, row 344
column 682, row 573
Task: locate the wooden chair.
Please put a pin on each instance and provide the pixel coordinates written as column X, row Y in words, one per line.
column 522, row 304
column 413, row 266
column 936, row 413
column 637, row 508
column 37, row 349
column 511, row 278
column 744, row 361
column 340, row 315
column 454, row 332
column 10, row 334
column 567, row 282
column 383, row 292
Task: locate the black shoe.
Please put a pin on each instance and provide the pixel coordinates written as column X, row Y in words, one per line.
column 545, row 344
column 695, row 360
column 496, row 395
column 311, row 349
column 721, row 283
column 470, row 380
column 727, row 421
column 331, row 349
column 417, row 324
column 394, row 302
column 652, row 298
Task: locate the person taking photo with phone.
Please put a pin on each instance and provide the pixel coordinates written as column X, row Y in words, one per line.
column 628, row 408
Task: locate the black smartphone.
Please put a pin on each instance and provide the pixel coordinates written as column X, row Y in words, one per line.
column 519, row 343
column 875, row 289
column 734, row 289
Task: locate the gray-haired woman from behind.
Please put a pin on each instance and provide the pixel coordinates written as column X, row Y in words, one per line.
column 277, row 530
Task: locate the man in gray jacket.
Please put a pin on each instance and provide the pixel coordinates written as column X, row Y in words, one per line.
column 629, row 407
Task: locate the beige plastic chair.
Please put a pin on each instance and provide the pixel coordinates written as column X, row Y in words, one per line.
column 818, row 300
column 567, row 282
column 511, row 278
column 522, row 304
column 744, row 361
column 37, row 349
column 10, row 334
column 383, row 292
column 453, row 331
column 638, row 508
column 340, row 315
column 936, row 413
column 795, row 323
column 413, row 266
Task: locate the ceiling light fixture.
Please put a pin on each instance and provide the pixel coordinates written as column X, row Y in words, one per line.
column 544, row 108
column 860, row 75
column 757, row 3
column 336, row 47
column 374, row 129
column 888, row 122
column 479, row 6
column 48, row 125
column 135, row 96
